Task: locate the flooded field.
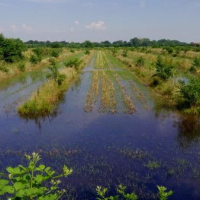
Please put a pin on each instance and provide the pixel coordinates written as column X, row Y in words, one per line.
column 105, row 128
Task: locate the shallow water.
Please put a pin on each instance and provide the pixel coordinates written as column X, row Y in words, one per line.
column 103, row 149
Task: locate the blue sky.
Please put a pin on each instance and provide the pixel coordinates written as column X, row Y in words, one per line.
column 99, row 20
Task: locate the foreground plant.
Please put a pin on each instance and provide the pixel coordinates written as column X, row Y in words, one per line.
column 123, row 195
column 33, row 182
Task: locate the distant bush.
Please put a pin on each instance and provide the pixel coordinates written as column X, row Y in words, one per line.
column 55, row 54
column 21, row 67
column 55, row 74
column 4, row 69
column 125, row 53
column 35, row 59
column 73, row 62
column 190, row 92
column 87, row 52
column 163, row 69
column 140, row 62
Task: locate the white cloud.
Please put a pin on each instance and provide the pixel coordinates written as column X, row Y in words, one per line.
column 77, row 23
column 100, row 25
column 26, row 27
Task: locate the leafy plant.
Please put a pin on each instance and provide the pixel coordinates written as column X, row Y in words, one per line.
column 4, row 69
column 140, row 62
column 73, row 62
column 87, row 52
column 191, row 92
column 33, row 182
column 122, row 194
column 163, row 194
column 35, row 59
column 55, row 54
column 21, row 67
column 163, row 70
column 125, row 53
column 55, row 74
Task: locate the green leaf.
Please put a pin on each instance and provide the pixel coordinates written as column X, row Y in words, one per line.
column 13, row 171
column 8, row 189
column 39, row 179
column 19, row 186
column 3, row 183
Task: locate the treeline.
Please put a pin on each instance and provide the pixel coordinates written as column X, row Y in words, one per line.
column 135, row 42
column 11, row 49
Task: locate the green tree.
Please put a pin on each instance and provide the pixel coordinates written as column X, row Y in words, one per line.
column 11, row 49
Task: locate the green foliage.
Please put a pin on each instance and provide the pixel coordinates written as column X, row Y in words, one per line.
column 140, row 62
column 21, row 67
column 4, row 69
column 34, row 59
column 163, row 194
column 169, row 50
column 55, row 74
column 73, row 62
column 190, row 92
column 125, row 53
column 163, row 70
column 33, row 181
column 55, row 54
column 87, row 52
column 122, row 194
column 11, row 49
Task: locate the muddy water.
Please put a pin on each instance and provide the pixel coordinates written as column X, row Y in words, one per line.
column 103, row 149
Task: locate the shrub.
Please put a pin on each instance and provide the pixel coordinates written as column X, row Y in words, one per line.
column 163, row 70
column 34, row 59
column 191, row 92
column 4, row 69
column 21, row 67
column 87, row 52
column 125, row 53
column 140, row 62
column 33, row 181
column 54, row 74
column 55, row 54
column 73, row 62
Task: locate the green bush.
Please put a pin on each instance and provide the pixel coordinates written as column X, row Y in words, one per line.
column 140, row 62
column 4, row 69
column 11, row 49
column 55, row 74
column 35, row 181
column 163, row 69
column 21, row 67
column 190, row 92
column 73, row 62
column 55, row 54
column 35, row 59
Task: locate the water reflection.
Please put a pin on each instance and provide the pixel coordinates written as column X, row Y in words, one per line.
column 188, row 130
